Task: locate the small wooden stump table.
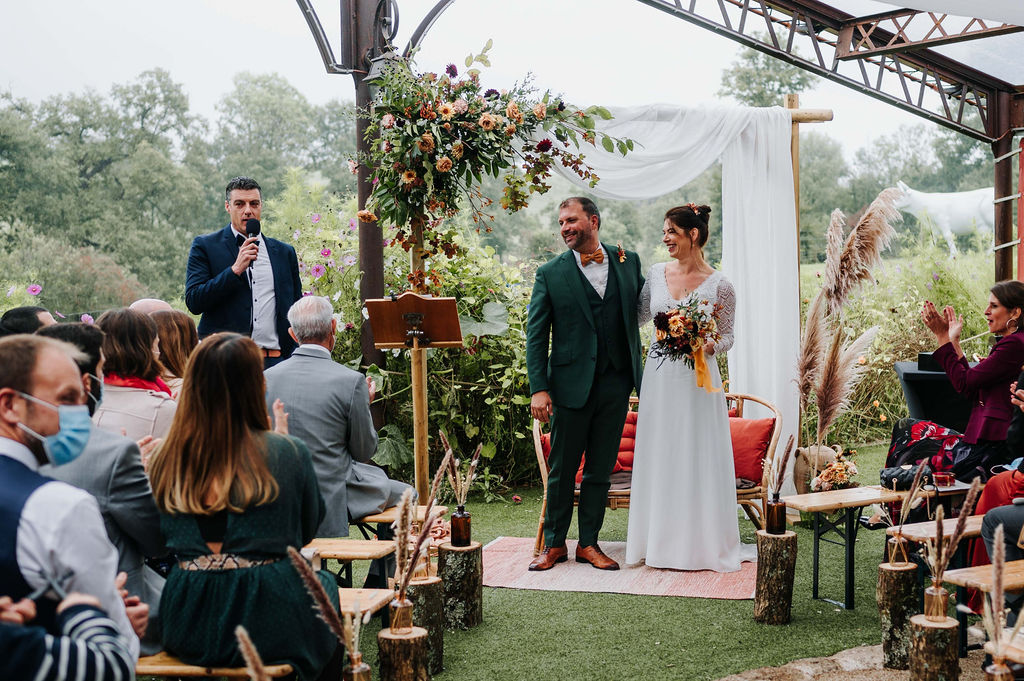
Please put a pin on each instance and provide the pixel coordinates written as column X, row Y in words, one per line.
column 461, row 570
column 850, row 501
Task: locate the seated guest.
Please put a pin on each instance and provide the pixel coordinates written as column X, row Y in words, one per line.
column 177, row 339
column 26, row 319
column 136, row 401
column 88, row 646
column 983, row 444
column 53, row 533
column 110, row 468
column 233, row 497
column 329, row 409
column 150, row 305
column 1011, row 517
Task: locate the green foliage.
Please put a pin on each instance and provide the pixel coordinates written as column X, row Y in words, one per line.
column 894, row 304
column 758, row 79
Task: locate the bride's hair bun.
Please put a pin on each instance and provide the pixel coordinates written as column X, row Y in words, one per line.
column 691, row 216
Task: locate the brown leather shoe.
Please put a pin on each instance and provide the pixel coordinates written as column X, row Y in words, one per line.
column 548, row 557
column 595, row 556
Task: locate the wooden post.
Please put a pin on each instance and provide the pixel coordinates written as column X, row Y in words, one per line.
column 933, row 649
column 898, row 600
column 461, row 569
column 403, row 657
column 421, row 460
column 427, row 596
column 793, row 102
column 776, row 566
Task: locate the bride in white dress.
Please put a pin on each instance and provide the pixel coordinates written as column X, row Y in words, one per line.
column 682, row 512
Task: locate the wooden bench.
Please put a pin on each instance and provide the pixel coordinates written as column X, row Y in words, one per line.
column 390, row 515
column 980, row 577
column 164, row 664
column 346, row 551
column 850, row 501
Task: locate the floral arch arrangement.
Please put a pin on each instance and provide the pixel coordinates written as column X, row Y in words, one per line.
column 434, row 137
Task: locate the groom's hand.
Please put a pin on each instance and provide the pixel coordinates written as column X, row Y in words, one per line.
column 540, row 406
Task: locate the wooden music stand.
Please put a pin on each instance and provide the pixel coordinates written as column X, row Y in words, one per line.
column 416, row 322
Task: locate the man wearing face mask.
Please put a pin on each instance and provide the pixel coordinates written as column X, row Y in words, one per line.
column 110, row 468
column 52, row 538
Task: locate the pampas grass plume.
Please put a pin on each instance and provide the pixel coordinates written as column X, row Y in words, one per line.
column 325, row 609
column 253, row 661
column 812, row 349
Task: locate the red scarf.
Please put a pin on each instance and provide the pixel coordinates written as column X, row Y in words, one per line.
column 135, row 382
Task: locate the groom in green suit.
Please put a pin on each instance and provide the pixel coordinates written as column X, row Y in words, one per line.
column 583, row 358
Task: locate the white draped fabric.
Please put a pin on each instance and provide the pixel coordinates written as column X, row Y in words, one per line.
column 759, row 240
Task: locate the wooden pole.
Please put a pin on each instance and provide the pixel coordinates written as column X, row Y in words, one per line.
column 1020, row 211
column 933, row 649
column 421, row 458
column 898, row 598
column 461, row 568
column 403, row 657
column 793, row 102
column 427, row 596
column 776, row 566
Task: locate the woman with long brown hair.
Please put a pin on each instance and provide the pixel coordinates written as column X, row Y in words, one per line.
column 177, row 339
column 233, row 497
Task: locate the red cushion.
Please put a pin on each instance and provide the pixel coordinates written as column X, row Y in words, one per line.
column 624, row 462
column 750, row 440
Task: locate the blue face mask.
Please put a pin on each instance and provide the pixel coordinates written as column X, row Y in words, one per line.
column 69, row 441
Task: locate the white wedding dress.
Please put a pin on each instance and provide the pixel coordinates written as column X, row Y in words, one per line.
column 682, row 508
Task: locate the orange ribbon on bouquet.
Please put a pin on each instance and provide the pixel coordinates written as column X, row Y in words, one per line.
column 700, row 366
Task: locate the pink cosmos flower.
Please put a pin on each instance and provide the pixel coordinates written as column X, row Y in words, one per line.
column 326, row 252
column 317, row 270
column 34, row 289
column 349, row 260
column 296, row 234
column 59, row 314
column 353, row 167
column 87, row 318
column 315, row 217
column 352, row 223
column 11, row 290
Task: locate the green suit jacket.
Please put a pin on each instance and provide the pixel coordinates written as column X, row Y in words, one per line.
column 561, row 337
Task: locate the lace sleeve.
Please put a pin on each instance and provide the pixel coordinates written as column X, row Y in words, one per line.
column 643, row 302
column 727, row 315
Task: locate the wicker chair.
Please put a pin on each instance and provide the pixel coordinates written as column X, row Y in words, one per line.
column 752, row 499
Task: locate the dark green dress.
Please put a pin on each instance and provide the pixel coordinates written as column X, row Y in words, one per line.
column 200, row 609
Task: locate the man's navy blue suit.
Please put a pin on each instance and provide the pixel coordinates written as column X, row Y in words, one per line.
column 224, row 299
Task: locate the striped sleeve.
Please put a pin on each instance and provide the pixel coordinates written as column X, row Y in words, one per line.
column 89, row 649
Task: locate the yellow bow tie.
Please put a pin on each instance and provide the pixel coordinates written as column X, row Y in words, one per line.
column 597, row 256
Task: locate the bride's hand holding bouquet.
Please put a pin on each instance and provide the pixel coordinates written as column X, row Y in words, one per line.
column 684, row 333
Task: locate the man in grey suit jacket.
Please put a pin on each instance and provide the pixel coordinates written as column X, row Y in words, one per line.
column 110, row 469
column 328, row 408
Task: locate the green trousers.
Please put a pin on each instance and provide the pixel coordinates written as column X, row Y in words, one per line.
column 595, row 428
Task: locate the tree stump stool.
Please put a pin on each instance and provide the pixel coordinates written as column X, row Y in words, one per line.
column 461, row 569
column 933, row 649
column 898, row 598
column 403, row 657
column 427, row 596
column 776, row 567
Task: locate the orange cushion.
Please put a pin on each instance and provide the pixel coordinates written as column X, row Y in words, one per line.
column 750, row 440
column 624, row 462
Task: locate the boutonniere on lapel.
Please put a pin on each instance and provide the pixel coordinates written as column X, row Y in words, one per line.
column 621, row 253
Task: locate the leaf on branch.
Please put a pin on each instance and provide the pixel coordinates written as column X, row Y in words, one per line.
column 392, row 447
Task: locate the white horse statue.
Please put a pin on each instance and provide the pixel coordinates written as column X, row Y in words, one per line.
column 950, row 212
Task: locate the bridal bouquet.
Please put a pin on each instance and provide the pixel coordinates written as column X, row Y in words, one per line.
column 681, row 333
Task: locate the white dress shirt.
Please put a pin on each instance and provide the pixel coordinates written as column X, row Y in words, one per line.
column 595, row 272
column 61, row 536
column 264, row 301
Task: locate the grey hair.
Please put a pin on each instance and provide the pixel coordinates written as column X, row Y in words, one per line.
column 310, row 318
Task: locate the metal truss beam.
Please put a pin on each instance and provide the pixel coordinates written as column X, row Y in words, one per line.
column 908, row 29
column 806, row 33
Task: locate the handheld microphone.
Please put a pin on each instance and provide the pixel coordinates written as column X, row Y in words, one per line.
column 252, row 228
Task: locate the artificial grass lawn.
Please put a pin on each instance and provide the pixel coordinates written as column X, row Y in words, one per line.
column 553, row 635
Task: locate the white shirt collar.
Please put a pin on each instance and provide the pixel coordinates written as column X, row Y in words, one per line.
column 316, row 348
column 19, row 452
column 600, row 247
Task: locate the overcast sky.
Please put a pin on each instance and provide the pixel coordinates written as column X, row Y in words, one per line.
column 612, row 52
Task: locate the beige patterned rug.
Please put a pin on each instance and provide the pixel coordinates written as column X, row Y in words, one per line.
column 506, row 560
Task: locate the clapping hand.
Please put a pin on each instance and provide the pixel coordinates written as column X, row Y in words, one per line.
column 17, row 613
column 137, row 611
column 280, row 418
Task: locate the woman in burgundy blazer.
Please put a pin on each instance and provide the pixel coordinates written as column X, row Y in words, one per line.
column 988, row 383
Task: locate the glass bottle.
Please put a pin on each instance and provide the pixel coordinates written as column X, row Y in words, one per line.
column 775, row 520
column 461, row 527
